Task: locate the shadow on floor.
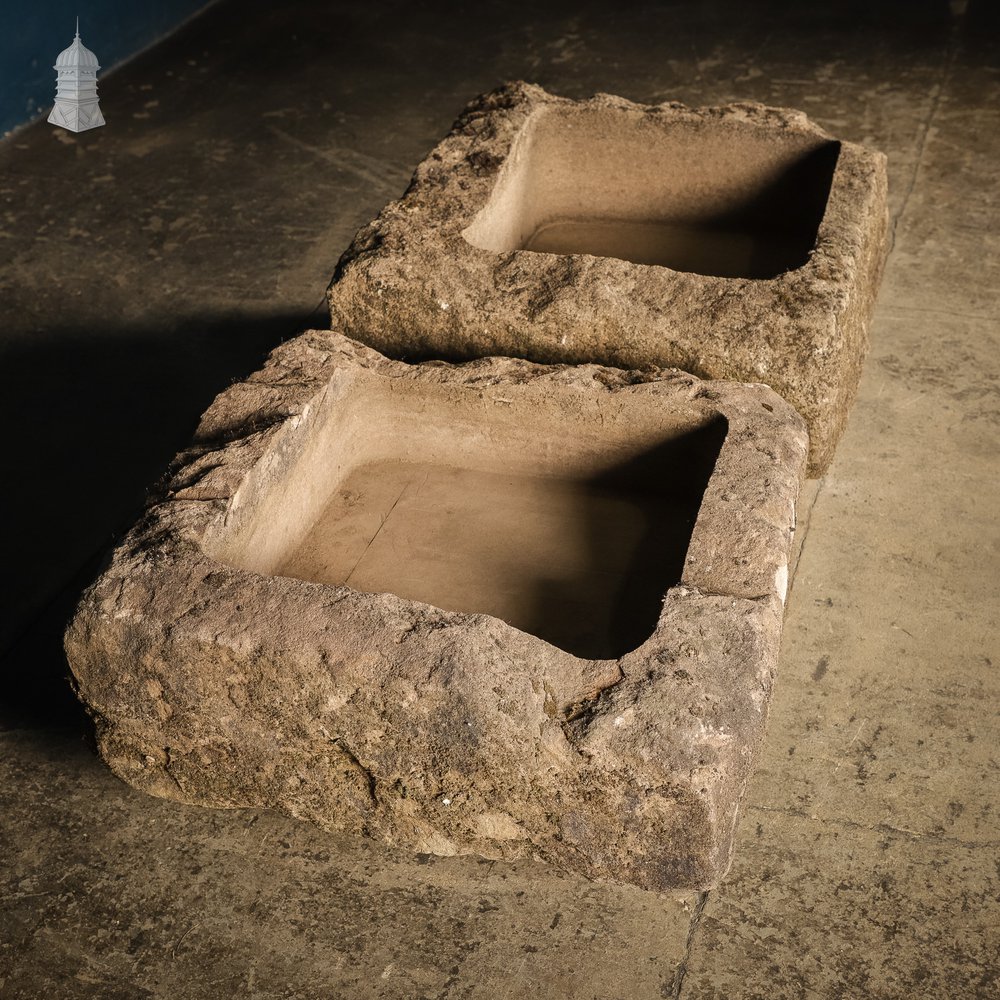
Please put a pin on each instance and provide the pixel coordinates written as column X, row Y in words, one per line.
column 100, row 412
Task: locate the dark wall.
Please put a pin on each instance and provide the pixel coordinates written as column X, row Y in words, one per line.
column 34, row 32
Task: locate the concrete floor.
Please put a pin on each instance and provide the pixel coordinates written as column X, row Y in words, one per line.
column 147, row 264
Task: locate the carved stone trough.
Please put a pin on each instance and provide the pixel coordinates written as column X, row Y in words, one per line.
column 739, row 242
column 495, row 608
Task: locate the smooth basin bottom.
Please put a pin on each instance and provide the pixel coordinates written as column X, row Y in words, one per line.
column 725, row 252
column 581, row 565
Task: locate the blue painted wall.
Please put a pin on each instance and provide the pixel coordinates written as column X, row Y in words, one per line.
column 34, row 32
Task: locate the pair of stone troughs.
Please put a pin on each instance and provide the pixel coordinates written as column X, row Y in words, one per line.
column 528, row 604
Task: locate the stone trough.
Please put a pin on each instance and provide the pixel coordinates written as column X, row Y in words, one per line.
column 739, row 242
column 496, row 608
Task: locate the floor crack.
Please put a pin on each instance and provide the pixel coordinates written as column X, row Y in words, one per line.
column 915, row 836
column 682, row 968
column 937, row 93
column 805, row 538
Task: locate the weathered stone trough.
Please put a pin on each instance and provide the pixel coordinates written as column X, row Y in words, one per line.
column 495, row 608
column 740, row 242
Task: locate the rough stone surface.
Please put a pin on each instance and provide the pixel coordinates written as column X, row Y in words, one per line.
column 215, row 683
column 448, row 271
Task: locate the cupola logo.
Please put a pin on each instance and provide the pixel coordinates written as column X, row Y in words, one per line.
column 76, row 106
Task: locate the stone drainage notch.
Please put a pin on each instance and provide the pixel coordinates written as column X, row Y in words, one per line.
column 76, row 107
column 495, row 608
column 739, row 242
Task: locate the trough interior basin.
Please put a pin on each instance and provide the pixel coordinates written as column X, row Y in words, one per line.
column 567, row 523
column 732, row 200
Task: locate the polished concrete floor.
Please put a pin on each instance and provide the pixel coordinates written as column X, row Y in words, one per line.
column 149, row 263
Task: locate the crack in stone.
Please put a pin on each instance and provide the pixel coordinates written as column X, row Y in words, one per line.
column 578, row 715
column 195, row 477
column 166, row 769
column 241, row 430
column 370, row 780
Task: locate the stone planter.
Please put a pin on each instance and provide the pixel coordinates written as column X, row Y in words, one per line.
column 496, row 608
column 739, row 242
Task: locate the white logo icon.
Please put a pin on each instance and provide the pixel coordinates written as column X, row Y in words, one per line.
column 76, row 105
